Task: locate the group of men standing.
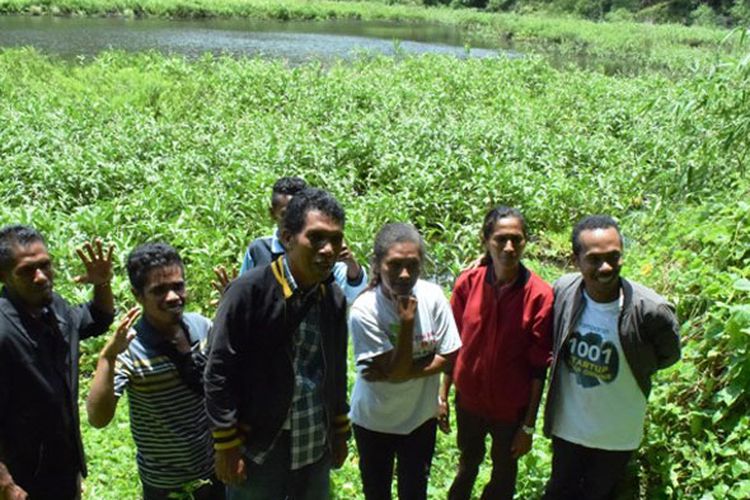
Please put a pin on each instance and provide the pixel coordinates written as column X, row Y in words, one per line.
column 257, row 398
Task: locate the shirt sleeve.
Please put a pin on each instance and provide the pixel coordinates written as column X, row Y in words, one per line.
column 665, row 335
column 247, row 262
column 448, row 340
column 540, row 352
column 351, row 289
column 368, row 337
column 123, row 366
column 458, row 301
column 222, row 367
column 5, row 384
column 90, row 321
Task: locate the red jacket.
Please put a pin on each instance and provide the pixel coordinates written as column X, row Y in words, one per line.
column 507, row 340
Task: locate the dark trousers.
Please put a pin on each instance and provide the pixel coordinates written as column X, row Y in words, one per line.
column 214, row 491
column 413, row 452
column 583, row 473
column 471, row 433
column 53, row 486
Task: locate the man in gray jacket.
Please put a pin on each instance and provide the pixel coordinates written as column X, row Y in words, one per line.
column 610, row 336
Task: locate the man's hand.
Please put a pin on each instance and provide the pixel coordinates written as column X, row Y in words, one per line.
column 230, row 466
column 9, row 490
column 352, row 266
column 521, row 444
column 122, row 337
column 406, row 307
column 98, row 264
column 443, row 417
column 340, row 450
column 222, row 280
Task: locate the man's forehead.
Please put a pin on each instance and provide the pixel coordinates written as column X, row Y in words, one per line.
column 320, row 221
column 34, row 251
column 600, row 240
column 172, row 272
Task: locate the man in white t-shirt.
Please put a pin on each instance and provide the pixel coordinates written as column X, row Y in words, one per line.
column 610, row 336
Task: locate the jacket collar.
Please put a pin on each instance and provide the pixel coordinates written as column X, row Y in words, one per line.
column 150, row 336
column 276, row 247
column 283, row 274
column 14, row 313
column 519, row 282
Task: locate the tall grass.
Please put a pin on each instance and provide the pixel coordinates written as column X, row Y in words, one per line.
column 143, row 147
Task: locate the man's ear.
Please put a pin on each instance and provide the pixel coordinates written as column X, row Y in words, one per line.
column 287, row 239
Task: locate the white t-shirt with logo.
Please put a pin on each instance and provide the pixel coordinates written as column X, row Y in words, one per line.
column 598, row 402
column 399, row 408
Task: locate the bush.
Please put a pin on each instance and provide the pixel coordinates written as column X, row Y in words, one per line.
column 619, row 15
column 703, row 15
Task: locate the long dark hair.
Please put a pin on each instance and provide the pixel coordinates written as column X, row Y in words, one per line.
column 494, row 215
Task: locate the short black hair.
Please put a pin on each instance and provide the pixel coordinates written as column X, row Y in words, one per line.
column 307, row 200
column 150, row 256
column 501, row 212
column 589, row 223
column 12, row 236
column 287, row 186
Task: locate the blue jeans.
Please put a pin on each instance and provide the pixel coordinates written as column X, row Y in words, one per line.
column 274, row 480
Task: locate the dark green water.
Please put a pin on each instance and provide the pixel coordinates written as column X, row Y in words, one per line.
column 296, row 42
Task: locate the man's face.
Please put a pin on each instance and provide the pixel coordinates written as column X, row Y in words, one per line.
column 313, row 251
column 163, row 295
column 600, row 260
column 506, row 243
column 31, row 278
column 278, row 208
column 399, row 269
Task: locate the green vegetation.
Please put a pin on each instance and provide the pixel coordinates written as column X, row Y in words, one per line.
column 623, row 47
column 143, row 147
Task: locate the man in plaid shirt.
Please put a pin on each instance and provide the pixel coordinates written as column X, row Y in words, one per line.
column 276, row 374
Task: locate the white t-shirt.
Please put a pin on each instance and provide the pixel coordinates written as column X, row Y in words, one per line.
column 598, row 404
column 399, row 408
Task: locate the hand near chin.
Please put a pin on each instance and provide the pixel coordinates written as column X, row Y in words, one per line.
column 406, row 307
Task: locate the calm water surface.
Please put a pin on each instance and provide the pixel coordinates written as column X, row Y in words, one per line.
column 296, row 42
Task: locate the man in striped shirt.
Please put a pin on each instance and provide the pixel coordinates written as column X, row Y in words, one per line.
column 160, row 363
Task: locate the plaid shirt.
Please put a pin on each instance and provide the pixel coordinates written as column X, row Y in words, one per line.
column 306, row 422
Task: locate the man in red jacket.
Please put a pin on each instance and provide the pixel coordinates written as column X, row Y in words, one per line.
column 504, row 315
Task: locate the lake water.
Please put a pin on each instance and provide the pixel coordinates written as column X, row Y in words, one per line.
column 297, row 42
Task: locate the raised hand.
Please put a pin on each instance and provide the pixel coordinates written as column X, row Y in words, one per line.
column 122, row 337
column 222, row 280
column 98, row 264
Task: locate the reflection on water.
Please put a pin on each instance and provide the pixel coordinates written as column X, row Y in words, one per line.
column 296, row 42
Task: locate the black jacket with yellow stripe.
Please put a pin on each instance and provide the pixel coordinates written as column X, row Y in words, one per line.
column 249, row 379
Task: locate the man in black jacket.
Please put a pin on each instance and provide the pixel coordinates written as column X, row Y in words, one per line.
column 276, row 374
column 41, row 454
